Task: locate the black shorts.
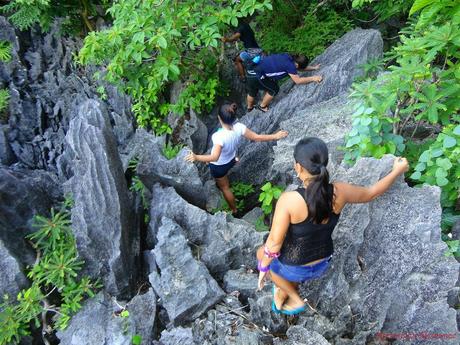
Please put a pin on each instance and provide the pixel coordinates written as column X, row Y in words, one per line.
column 255, row 84
column 218, row 171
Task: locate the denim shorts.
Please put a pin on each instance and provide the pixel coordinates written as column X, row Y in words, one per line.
column 300, row 274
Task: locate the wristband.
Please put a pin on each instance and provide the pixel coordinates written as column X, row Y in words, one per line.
column 269, row 254
column 261, row 268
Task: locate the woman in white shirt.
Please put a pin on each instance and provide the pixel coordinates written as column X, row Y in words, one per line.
column 225, row 144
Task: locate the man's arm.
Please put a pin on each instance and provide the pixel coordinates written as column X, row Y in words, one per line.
column 233, row 38
column 312, row 67
column 305, row 80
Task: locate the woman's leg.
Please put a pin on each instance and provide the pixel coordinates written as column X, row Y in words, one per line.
column 287, row 290
column 224, row 185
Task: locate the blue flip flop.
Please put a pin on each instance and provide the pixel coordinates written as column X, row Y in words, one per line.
column 274, row 308
column 293, row 311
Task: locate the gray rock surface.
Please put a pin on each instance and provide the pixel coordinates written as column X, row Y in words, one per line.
column 154, row 167
column 12, row 280
column 45, row 86
column 176, row 336
column 242, row 282
column 329, row 120
column 184, row 284
column 234, row 240
column 24, row 194
column 102, row 220
column 389, row 273
column 99, row 321
column 340, row 64
column 300, row 336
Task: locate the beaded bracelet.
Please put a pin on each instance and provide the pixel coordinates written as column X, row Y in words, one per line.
column 269, row 254
column 261, row 268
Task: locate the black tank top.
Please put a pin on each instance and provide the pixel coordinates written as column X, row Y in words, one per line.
column 307, row 241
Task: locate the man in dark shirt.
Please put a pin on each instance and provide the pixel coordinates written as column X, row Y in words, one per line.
column 252, row 49
column 273, row 68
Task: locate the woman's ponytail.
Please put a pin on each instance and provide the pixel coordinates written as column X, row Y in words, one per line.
column 312, row 154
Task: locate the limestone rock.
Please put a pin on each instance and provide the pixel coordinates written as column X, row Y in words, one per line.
column 24, row 194
column 176, row 336
column 12, row 280
column 102, row 220
column 184, row 285
column 100, row 322
column 300, row 336
column 234, row 240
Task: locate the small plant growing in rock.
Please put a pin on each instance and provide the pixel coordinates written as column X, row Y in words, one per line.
column 54, row 277
column 5, row 51
column 268, row 195
column 4, row 100
column 170, row 151
column 101, row 92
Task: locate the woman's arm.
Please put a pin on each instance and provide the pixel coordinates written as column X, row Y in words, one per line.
column 280, row 225
column 213, row 157
column 356, row 194
column 248, row 134
column 232, row 38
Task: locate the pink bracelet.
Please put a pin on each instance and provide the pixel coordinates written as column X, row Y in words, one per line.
column 261, row 268
column 269, row 254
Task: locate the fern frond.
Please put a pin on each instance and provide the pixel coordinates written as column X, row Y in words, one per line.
column 5, row 51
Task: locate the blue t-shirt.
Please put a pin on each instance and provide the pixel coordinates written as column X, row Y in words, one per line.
column 276, row 66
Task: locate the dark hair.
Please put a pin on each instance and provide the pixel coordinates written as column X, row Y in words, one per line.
column 301, row 60
column 312, row 154
column 227, row 113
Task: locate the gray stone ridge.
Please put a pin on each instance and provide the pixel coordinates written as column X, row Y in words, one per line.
column 184, row 285
column 102, row 220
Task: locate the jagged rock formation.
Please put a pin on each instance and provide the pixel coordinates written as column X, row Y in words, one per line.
column 184, row 284
column 12, row 280
column 100, row 321
column 102, row 220
column 340, row 64
column 45, row 87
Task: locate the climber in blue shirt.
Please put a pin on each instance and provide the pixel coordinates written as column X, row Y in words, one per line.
column 272, row 68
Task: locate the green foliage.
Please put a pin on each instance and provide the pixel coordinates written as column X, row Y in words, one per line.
column 136, row 339
column 5, row 51
column 56, row 272
column 241, row 191
column 440, row 165
column 136, row 184
column 268, row 195
column 151, row 45
column 170, row 151
column 4, row 101
column 422, row 87
column 260, row 224
column 24, row 14
column 301, row 27
column 385, row 9
column 453, row 248
column 101, row 91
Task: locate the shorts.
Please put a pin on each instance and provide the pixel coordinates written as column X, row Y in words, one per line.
column 255, row 84
column 218, row 171
column 249, row 54
column 299, row 274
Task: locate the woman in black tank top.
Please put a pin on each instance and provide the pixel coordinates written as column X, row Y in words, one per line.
column 299, row 246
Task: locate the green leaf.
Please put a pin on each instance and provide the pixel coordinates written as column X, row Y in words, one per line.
column 441, row 181
column 449, row 142
column 162, row 42
column 136, row 339
column 416, row 175
column 456, row 130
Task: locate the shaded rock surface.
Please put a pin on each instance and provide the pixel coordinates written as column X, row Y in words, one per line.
column 234, row 240
column 184, row 285
column 102, row 220
column 154, row 167
column 24, row 194
column 300, row 336
column 340, row 64
column 99, row 321
column 12, row 280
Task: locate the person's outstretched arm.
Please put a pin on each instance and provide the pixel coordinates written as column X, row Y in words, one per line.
column 280, row 225
column 305, row 80
column 232, row 38
column 213, row 157
column 248, row 134
column 312, row 67
column 349, row 193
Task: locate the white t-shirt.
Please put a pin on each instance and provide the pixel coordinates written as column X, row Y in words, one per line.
column 229, row 140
